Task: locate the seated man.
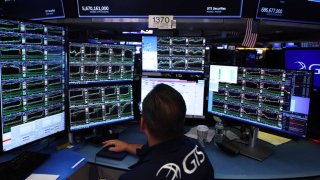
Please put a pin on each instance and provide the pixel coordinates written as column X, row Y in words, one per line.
column 168, row 154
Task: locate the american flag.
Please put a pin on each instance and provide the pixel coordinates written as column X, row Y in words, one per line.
column 250, row 38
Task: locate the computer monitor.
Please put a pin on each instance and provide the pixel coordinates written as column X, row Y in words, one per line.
column 222, row 56
column 100, row 63
column 32, row 62
column 274, row 99
column 250, row 57
column 173, row 54
column 304, row 59
column 100, row 84
column 191, row 90
column 96, row 106
column 308, row 59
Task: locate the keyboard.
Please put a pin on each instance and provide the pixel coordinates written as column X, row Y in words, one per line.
column 105, row 153
column 22, row 165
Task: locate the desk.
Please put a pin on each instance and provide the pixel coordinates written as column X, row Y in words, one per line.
column 63, row 163
column 130, row 135
column 295, row 159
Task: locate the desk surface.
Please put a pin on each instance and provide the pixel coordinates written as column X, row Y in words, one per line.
column 63, row 163
column 295, row 159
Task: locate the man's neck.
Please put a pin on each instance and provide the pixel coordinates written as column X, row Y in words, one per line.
column 152, row 141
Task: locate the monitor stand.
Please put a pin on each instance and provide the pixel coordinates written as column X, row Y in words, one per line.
column 255, row 149
column 100, row 135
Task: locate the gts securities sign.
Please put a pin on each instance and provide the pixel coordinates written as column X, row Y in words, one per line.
column 304, row 59
column 144, row 8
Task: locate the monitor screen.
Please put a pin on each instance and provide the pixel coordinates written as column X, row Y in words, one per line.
column 191, row 90
column 222, row 56
column 32, row 71
column 173, row 54
column 290, row 10
column 96, row 63
column 137, row 8
column 305, row 59
column 96, row 106
column 32, row 9
column 274, row 99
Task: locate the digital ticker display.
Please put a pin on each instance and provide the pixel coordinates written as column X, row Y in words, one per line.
column 178, row 8
column 290, row 10
column 26, row 9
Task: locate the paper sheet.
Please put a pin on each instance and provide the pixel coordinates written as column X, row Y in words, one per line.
column 272, row 139
column 42, row 177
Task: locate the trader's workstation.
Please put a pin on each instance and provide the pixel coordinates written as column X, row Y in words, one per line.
column 75, row 74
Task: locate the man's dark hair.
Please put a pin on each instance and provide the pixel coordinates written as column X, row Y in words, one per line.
column 164, row 110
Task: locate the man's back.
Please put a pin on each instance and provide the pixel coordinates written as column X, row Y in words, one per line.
column 179, row 158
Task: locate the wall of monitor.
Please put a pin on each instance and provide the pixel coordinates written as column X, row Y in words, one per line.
column 50, row 85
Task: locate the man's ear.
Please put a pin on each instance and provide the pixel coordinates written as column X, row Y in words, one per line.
column 142, row 124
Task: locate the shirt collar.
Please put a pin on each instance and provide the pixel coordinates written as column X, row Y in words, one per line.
column 147, row 153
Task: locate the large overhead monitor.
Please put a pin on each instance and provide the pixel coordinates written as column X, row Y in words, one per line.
column 32, row 63
column 32, row 9
column 305, row 11
column 272, row 99
column 191, row 90
column 143, row 8
column 173, row 54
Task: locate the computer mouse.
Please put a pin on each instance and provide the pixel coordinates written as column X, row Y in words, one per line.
column 109, row 146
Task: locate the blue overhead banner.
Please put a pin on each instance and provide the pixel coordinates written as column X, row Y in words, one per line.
column 143, row 8
column 307, row 11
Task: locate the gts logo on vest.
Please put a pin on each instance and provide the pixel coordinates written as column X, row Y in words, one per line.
column 190, row 164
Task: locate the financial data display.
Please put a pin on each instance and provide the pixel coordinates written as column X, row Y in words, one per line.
column 92, row 63
column 95, row 106
column 143, row 8
column 191, row 90
column 271, row 98
column 173, row 54
column 304, row 59
column 32, row 71
column 290, row 10
column 32, row 9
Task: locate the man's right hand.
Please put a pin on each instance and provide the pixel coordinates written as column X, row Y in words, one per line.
column 118, row 146
column 115, row 145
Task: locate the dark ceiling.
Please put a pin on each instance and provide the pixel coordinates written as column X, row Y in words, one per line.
column 215, row 30
column 219, row 30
